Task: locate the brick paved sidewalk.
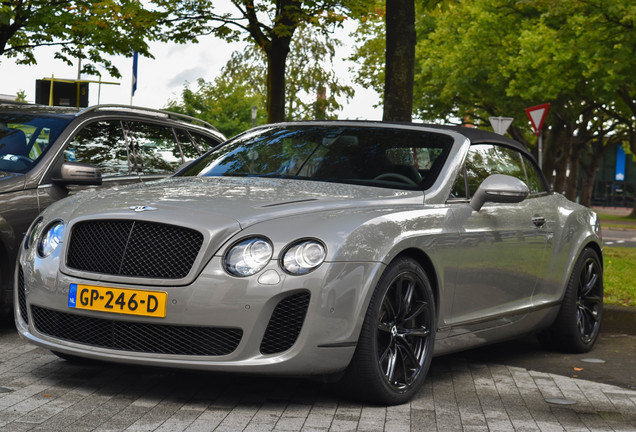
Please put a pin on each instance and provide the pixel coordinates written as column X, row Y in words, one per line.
column 42, row 393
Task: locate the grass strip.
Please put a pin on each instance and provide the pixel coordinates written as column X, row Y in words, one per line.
column 619, row 276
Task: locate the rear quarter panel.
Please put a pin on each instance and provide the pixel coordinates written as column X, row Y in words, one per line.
column 575, row 227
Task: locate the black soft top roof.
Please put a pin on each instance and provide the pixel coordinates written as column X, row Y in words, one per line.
column 476, row 136
column 479, row 136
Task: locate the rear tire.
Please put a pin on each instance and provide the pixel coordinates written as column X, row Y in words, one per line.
column 395, row 347
column 576, row 328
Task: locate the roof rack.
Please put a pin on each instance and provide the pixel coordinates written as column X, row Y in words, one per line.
column 144, row 110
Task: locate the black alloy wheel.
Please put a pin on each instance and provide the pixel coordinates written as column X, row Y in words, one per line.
column 578, row 323
column 589, row 304
column 396, row 343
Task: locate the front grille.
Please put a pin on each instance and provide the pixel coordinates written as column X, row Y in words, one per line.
column 22, row 296
column 136, row 337
column 285, row 324
column 132, row 248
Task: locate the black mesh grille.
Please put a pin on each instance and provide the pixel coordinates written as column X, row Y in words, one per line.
column 131, row 248
column 285, row 324
column 137, row 337
column 22, row 296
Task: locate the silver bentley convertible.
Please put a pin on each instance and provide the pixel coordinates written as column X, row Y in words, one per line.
column 352, row 250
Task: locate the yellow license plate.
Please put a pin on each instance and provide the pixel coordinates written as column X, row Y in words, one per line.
column 118, row 300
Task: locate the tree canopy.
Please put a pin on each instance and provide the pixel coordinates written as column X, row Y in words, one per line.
column 270, row 24
column 79, row 28
column 481, row 58
column 226, row 101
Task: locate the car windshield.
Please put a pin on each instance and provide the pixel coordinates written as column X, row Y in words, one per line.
column 376, row 156
column 25, row 138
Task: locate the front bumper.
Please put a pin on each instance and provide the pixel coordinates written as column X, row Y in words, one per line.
column 292, row 325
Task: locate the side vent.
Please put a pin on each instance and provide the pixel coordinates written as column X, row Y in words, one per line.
column 22, row 296
column 285, row 324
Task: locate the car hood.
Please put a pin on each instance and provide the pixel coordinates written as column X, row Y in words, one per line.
column 242, row 200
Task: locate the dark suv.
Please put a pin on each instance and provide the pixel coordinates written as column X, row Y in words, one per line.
column 47, row 153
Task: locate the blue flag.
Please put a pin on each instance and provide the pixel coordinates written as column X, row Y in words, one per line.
column 134, row 71
column 620, row 164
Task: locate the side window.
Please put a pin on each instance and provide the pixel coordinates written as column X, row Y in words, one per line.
column 459, row 187
column 535, row 179
column 205, row 142
column 156, row 146
column 191, row 150
column 103, row 145
column 484, row 160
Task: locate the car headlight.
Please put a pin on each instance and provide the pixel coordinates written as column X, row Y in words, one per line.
column 248, row 257
column 303, row 257
column 33, row 233
column 51, row 238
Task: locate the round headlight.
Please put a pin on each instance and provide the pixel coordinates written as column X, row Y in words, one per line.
column 304, row 257
column 248, row 257
column 51, row 238
column 33, row 233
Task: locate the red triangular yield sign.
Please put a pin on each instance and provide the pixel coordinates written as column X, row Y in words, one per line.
column 537, row 114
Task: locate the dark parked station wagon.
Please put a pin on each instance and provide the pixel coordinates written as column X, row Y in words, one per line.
column 48, row 153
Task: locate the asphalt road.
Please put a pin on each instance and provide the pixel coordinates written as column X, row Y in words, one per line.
column 619, row 237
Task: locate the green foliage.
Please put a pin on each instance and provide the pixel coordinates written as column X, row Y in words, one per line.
column 309, row 70
column 226, row 101
column 496, row 57
column 481, row 58
column 370, row 44
column 21, row 96
column 80, row 28
column 269, row 24
column 618, row 277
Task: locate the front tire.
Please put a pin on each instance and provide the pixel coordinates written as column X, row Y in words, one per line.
column 577, row 325
column 395, row 347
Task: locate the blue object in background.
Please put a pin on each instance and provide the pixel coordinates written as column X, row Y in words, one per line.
column 134, row 77
column 620, row 164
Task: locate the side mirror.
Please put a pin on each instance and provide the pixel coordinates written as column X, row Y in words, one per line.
column 499, row 188
column 78, row 173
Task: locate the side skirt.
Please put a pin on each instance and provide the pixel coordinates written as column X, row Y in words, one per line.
column 475, row 334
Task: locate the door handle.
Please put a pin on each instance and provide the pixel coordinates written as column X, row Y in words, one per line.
column 538, row 221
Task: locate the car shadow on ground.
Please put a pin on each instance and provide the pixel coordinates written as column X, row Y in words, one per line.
column 616, row 351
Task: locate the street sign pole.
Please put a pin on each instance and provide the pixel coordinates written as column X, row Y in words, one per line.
column 540, row 149
column 536, row 115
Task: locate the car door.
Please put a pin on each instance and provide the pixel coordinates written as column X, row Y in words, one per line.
column 102, row 144
column 502, row 245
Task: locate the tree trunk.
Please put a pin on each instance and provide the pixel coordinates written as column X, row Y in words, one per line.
column 587, row 188
column 572, row 178
column 276, row 61
column 561, row 166
column 590, row 170
column 556, row 151
column 400, row 60
column 553, row 151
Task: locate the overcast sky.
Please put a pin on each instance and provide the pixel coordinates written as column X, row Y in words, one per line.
column 162, row 78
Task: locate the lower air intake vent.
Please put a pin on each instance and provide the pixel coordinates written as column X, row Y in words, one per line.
column 136, row 337
column 285, row 324
column 22, row 296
